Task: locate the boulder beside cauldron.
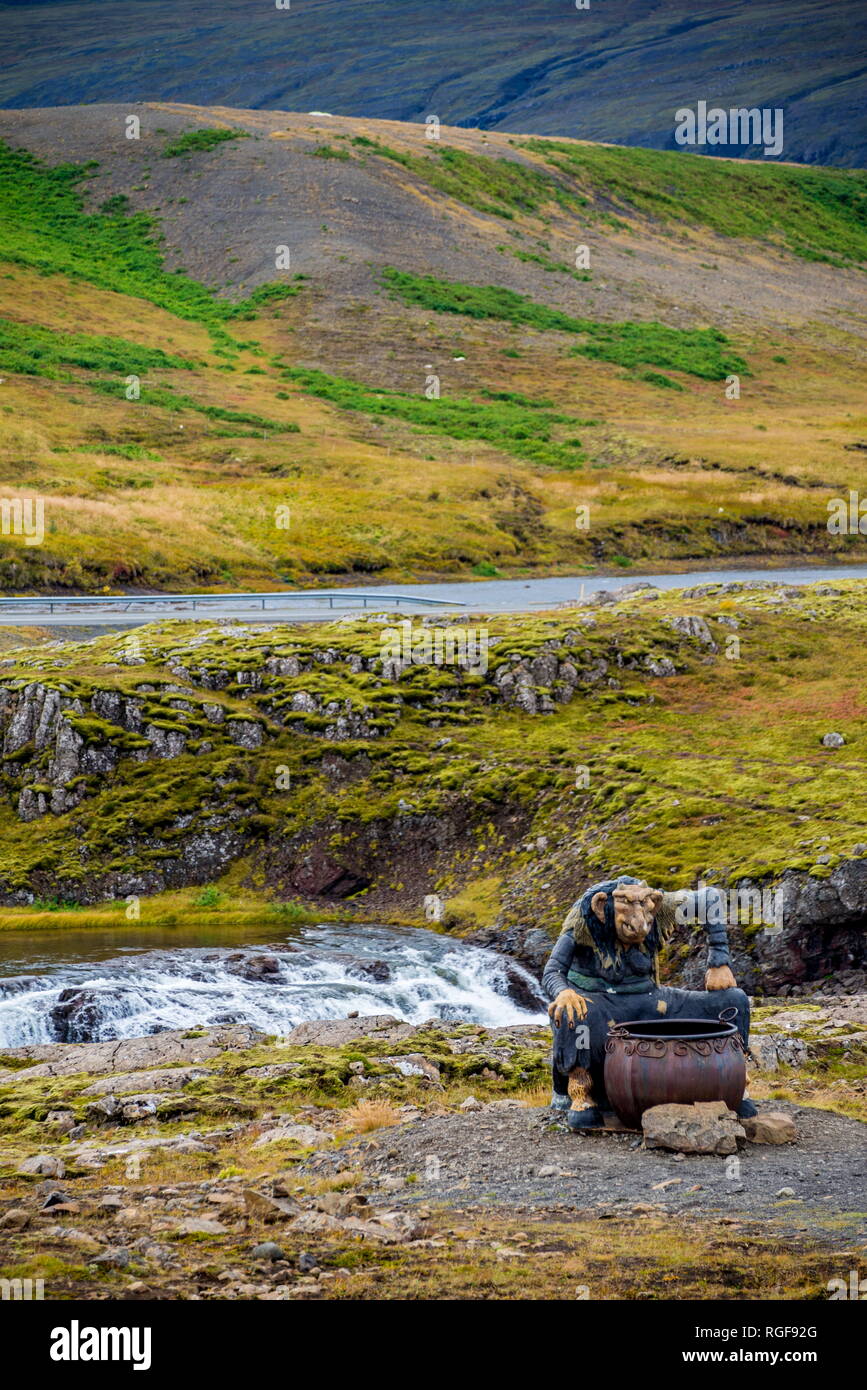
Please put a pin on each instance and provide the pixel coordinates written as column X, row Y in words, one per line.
column 675, row 1061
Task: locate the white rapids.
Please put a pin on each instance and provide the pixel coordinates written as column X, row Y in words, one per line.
column 317, row 972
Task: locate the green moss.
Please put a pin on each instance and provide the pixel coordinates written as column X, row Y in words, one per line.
column 527, row 432
column 43, row 224
column 195, row 141
column 702, row 352
column 818, row 214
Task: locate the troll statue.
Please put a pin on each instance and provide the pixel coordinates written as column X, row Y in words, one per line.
column 604, row 969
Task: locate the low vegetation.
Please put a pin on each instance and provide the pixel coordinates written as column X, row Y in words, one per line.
column 700, row 352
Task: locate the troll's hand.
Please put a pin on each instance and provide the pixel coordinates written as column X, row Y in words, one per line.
column 720, row 977
column 573, row 1005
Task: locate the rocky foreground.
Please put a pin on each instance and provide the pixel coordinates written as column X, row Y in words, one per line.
column 369, row 1158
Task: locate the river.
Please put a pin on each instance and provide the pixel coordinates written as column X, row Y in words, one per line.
column 134, row 982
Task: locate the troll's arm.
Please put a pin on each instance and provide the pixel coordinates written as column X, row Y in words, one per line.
column 556, row 984
column 706, row 905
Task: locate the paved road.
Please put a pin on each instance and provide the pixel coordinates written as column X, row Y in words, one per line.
column 483, row 596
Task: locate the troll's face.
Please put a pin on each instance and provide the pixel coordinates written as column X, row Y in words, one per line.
column 635, row 907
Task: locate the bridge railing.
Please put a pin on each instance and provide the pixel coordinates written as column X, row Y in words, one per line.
column 340, row 598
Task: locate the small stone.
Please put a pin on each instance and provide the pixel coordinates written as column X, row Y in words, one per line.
column 55, row 1198
column 116, row 1257
column 771, row 1127
column 306, row 1136
column 15, row 1219
column 63, row 1120
column 833, row 740
column 268, row 1251
column 104, row 1110
column 43, row 1166
column 307, row 1262
column 201, row 1226
column 263, row 1208
column 470, row 1104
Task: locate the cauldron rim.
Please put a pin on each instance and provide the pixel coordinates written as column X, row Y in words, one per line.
column 712, row 1029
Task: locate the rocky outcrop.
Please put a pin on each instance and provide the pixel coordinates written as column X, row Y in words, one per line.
column 130, row 1054
column 77, row 1015
column 822, row 944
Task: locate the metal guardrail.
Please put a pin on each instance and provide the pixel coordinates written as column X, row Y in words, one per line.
column 340, row 598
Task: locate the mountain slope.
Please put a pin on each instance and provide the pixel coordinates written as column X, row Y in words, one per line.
column 613, row 71
column 287, row 409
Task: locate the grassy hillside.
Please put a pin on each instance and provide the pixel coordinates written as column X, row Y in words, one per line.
column 437, row 402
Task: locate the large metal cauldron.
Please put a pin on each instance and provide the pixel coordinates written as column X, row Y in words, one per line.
column 679, row 1060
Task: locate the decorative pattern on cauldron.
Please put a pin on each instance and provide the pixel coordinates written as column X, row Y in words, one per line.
column 673, row 1061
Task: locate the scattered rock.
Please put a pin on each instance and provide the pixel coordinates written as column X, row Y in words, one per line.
column 201, row 1226
column 414, row 1064
column 130, row 1054
column 336, row 1032
column 77, row 1014
column 170, row 1079
column 268, row 1209
column 306, row 1135
column 770, row 1127
column 775, row 1050
column 377, row 970
column 116, row 1257
column 254, row 968
column 55, row 1199
column 705, row 1128
column 15, row 1219
column 63, row 1120
column 267, row 1251
column 43, row 1166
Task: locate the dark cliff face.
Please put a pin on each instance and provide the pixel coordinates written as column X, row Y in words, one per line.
column 822, row 944
column 616, row 71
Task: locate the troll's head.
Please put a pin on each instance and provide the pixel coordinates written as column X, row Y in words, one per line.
column 621, row 912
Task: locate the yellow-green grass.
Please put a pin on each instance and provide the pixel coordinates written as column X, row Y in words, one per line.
column 370, row 497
